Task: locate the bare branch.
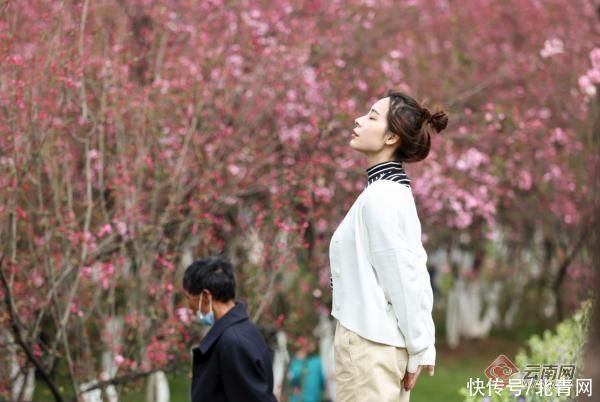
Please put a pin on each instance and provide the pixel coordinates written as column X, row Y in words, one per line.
column 84, row 107
column 8, row 300
column 124, row 379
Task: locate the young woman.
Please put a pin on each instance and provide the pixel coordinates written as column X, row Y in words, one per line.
column 382, row 296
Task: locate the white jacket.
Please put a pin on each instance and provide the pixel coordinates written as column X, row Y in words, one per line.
column 381, row 287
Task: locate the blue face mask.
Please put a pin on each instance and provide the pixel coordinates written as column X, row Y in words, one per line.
column 205, row 319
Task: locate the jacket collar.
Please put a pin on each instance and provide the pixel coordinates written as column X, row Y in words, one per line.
column 390, row 170
column 236, row 314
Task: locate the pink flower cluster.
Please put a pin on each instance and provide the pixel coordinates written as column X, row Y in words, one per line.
column 589, row 81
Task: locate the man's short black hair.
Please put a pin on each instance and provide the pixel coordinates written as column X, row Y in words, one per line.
column 214, row 273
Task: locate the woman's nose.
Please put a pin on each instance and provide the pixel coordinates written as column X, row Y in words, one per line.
column 356, row 124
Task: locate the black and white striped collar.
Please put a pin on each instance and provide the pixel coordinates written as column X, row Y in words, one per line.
column 391, row 170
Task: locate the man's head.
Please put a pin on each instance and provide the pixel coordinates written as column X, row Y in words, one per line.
column 209, row 279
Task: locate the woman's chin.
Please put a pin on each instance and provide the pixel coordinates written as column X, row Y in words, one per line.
column 355, row 146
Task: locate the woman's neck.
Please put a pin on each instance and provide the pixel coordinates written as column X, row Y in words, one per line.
column 379, row 158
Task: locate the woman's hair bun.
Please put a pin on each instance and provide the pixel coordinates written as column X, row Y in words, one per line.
column 438, row 120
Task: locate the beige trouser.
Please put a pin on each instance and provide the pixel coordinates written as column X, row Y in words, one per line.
column 367, row 371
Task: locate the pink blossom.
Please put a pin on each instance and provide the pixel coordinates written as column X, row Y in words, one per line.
column 38, row 279
column 559, row 136
column 119, row 360
column 184, row 314
column 552, row 47
column 16, row 59
column 165, row 263
column 322, row 225
column 396, row 54
column 234, row 170
column 325, row 194
column 121, row 228
column 37, row 350
column 587, row 86
column 93, row 154
column 86, row 272
column 595, row 58
column 524, row 180
column 104, row 230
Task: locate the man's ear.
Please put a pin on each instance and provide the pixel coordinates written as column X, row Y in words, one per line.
column 205, row 299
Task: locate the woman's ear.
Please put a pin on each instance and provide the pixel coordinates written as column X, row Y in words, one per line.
column 391, row 138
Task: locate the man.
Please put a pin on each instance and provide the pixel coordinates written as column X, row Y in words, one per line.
column 232, row 362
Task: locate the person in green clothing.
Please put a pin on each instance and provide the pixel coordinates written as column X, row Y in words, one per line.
column 305, row 374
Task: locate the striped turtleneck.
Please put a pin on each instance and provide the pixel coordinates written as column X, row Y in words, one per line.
column 391, row 170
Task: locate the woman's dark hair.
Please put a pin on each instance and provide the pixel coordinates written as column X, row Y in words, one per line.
column 214, row 273
column 414, row 125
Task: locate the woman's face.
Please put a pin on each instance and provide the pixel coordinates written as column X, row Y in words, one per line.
column 370, row 135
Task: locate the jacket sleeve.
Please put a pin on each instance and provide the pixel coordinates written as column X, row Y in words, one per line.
column 244, row 377
column 393, row 233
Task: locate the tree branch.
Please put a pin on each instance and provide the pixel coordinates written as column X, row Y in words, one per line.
column 562, row 271
column 124, row 379
column 19, row 339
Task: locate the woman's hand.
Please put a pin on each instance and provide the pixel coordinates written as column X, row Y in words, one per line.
column 410, row 379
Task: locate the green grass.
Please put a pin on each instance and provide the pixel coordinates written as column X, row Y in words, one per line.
column 455, row 367
column 444, row 385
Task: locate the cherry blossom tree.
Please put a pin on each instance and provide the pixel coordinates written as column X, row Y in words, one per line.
column 136, row 135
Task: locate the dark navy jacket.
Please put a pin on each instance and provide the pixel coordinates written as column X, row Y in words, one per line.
column 233, row 362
